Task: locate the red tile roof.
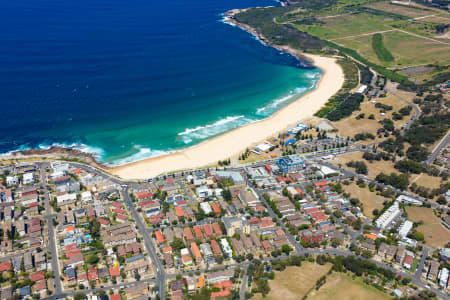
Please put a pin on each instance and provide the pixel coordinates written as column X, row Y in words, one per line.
column 144, row 194
column 36, row 276
column 122, row 217
column 5, row 266
column 92, row 274
column 115, row 297
column 114, row 271
column 207, row 229
column 159, row 237
column 103, row 221
column 198, row 232
column 116, row 204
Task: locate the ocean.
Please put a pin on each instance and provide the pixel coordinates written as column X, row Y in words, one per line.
column 135, row 79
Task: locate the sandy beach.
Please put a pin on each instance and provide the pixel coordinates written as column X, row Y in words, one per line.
column 236, row 141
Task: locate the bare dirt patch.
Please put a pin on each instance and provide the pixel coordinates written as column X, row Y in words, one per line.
column 294, row 282
column 342, row 286
column 435, row 233
column 374, row 168
column 370, row 200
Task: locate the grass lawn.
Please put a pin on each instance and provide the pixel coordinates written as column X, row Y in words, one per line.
column 342, row 286
column 346, row 25
column 370, row 200
column 408, row 50
column 414, row 265
column 294, row 282
column 435, row 233
column 403, row 9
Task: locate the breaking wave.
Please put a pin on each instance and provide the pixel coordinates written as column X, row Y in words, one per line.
column 203, row 132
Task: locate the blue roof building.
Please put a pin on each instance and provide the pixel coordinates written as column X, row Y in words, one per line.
column 134, row 258
column 291, row 163
column 24, row 291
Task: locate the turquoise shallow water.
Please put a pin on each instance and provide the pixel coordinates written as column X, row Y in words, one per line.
column 136, row 79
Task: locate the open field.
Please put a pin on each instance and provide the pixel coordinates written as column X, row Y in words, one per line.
column 351, row 126
column 407, row 49
column 346, row 25
column 374, row 168
column 342, row 286
column 408, row 33
column 404, row 10
column 294, row 282
column 370, row 200
column 427, row 181
column 435, row 233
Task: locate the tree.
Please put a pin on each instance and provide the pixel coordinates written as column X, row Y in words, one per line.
column 286, row 249
column 79, row 296
column 441, row 200
column 177, row 244
column 417, row 153
column 92, row 259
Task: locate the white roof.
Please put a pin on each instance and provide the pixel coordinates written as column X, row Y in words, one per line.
column 326, row 170
column 28, row 176
column 362, row 89
column 206, row 207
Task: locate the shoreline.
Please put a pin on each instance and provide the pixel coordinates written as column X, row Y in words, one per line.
column 234, row 142
column 228, row 144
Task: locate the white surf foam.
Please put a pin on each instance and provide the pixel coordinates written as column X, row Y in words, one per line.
column 141, row 153
column 275, row 104
column 209, row 130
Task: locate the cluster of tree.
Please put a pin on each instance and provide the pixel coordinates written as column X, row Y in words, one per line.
column 428, row 129
column 400, row 181
column 346, row 105
column 301, row 136
column 417, row 153
column 365, row 75
column 261, row 19
column 430, row 193
column 396, row 116
column 272, row 205
column 256, row 273
column 388, row 124
column 364, row 136
column 321, row 135
column 392, row 145
column 383, row 106
column 244, row 155
column 408, row 166
column 370, row 156
column 360, row 166
column 309, row 21
column 225, row 162
column 379, row 48
column 405, row 111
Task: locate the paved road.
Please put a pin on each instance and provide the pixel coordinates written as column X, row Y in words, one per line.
column 297, row 247
column 421, row 264
column 51, row 232
column 442, row 144
column 160, row 271
column 244, row 285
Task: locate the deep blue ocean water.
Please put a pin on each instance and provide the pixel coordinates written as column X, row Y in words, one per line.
column 133, row 79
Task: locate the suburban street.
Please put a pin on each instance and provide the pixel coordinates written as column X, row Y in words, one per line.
column 51, row 231
column 160, row 272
